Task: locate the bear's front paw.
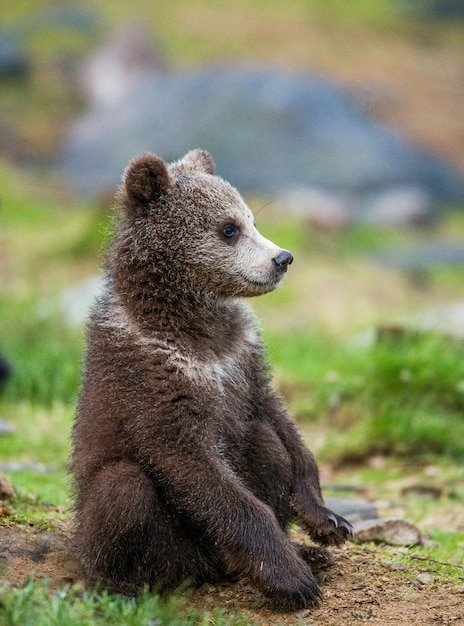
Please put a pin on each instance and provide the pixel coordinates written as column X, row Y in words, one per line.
column 289, row 584
column 327, row 528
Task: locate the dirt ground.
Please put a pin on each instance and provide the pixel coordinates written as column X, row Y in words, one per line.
column 361, row 587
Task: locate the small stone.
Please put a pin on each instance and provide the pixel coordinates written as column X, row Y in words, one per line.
column 398, row 567
column 425, row 578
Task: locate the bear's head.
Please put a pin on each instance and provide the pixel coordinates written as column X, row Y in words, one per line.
column 185, row 232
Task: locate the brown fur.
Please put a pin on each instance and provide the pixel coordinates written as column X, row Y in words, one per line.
column 186, row 465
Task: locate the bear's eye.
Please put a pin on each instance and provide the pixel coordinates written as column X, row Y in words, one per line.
column 230, row 231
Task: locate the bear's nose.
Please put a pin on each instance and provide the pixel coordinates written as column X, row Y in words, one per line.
column 282, row 260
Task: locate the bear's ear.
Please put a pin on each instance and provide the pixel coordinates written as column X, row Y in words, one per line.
column 197, row 161
column 146, row 178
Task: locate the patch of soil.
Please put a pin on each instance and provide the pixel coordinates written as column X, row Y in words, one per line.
column 27, row 551
column 361, row 586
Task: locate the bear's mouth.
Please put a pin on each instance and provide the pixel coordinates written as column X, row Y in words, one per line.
column 266, row 285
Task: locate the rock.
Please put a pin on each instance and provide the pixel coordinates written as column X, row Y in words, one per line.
column 6, row 428
column 423, row 257
column 392, row 206
column 74, row 18
column 397, row 205
column 13, row 60
column 425, row 579
column 269, row 131
column 447, row 319
column 319, row 207
column 115, row 68
column 76, row 302
column 396, row 532
column 352, row 509
column 436, row 9
column 18, row 466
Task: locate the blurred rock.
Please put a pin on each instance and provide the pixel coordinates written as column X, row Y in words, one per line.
column 393, row 206
column 396, row 532
column 441, row 9
column 6, row 428
column 447, row 319
column 269, row 131
column 398, row 205
column 13, row 60
column 19, row 466
column 116, row 68
column 425, row 256
column 76, row 302
column 352, row 509
column 321, row 208
column 71, row 17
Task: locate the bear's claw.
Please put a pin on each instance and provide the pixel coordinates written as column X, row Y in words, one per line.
column 327, row 528
column 342, row 523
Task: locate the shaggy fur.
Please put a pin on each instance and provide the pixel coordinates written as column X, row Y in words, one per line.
column 186, row 465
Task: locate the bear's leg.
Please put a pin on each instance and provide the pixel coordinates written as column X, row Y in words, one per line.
column 268, row 472
column 270, row 476
column 323, row 525
column 127, row 538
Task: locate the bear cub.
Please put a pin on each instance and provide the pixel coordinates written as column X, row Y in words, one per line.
column 186, row 465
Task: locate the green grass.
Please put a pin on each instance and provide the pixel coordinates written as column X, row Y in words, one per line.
column 414, row 394
column 45, row 353
column 442, row 558
column 34, row 604
column 401, row 395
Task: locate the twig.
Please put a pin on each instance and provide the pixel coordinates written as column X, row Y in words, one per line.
column 419, row 557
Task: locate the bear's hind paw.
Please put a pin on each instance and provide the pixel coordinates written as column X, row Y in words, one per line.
column 318, row 558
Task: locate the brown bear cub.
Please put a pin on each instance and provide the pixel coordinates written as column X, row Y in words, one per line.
column 186, row 465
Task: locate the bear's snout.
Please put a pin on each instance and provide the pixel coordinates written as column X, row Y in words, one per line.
column 282, row 261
